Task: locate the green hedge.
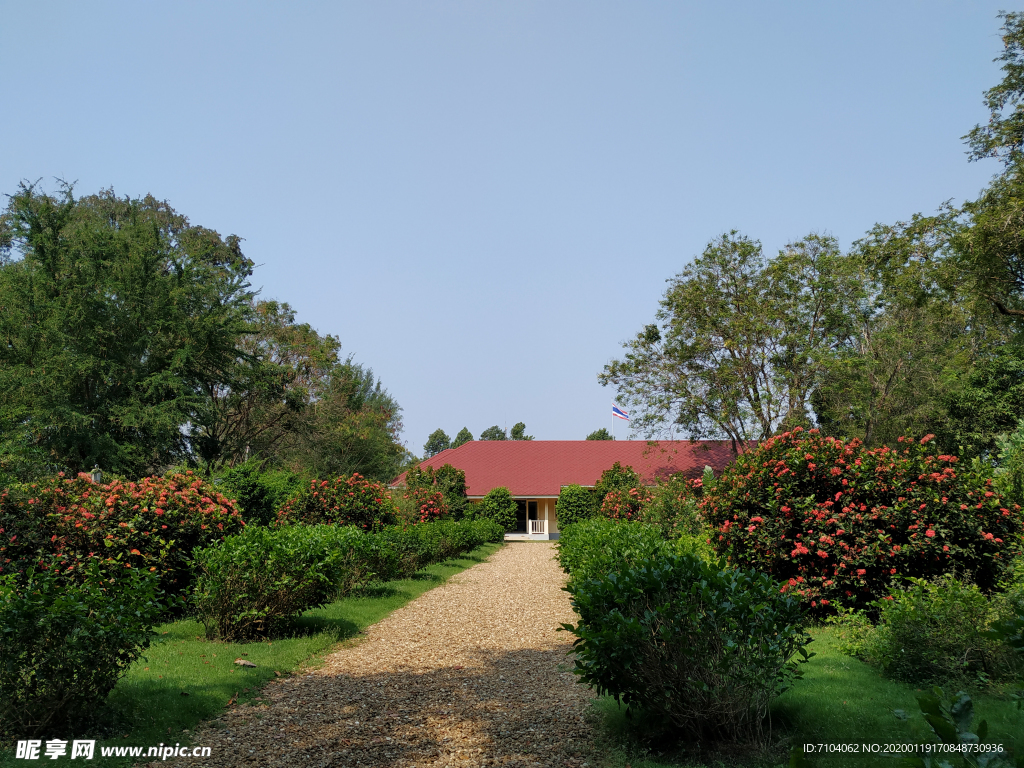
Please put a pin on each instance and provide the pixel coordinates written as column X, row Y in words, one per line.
column 594, row 547
column 250, row 585
column 65, row 643
column 255, row 584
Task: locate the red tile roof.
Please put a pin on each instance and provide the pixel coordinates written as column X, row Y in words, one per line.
column 541, row 467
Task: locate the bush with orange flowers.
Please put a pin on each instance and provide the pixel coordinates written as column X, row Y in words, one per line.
column 354, row 500
column 839, row 523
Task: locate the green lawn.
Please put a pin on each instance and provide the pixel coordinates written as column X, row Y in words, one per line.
column 840, row 701
column 186, row 679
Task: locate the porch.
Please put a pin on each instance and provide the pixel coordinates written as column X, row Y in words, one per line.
column 535, row 520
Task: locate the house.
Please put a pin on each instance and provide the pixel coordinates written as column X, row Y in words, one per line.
column 535, row 471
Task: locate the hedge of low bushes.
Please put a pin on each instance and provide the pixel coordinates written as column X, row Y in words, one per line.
column 86, row 571
column 254, row 584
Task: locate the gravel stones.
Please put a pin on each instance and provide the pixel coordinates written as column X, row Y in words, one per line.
column 472, row 673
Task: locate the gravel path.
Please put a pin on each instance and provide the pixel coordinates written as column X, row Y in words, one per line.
column 471, row 673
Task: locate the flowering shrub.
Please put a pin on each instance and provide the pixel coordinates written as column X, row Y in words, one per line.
column 354, row 500
column 625, row 504
column 156, row 523
column 449, row 480
column 838, row 522
column 427, row 504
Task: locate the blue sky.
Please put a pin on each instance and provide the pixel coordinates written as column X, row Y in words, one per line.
column 483, row 200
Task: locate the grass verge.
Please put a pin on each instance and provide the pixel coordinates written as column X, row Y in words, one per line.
column 185, row 679
column 840, row 700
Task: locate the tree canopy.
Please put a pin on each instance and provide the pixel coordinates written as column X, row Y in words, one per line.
column 518, row 432
column 132, row 340
column 740, row 341
column 600, row 434
column 464, row 436
column 437, row 441
column 493, row 433
column 116, row 316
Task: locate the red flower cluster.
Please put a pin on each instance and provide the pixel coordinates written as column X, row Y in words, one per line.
column 155, row 523
column 351, row 500
column 838, row 522
column 625, row 505
column 430, row 504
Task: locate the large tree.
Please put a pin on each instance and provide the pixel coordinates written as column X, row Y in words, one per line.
column 518, row 432
column 284, row 367
column 990, row 248
column 353, row 426
column 116, row 315
column 740, row 343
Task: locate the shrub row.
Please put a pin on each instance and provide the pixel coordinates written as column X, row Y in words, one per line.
column 942, row 632
column 599, row 546
column 253, row 584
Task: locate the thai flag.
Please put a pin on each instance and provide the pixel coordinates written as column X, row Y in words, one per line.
column 619, row 413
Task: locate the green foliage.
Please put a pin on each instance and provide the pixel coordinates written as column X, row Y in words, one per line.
column 401, row 551
column 1009, row 627
column 118, row 315
column 952, row 722
column 64, row 644
column 352, row 428
column 674, row 507
column 740, row 340
column 518, row 432
column 499, row 506
column 574, row 504
column 256, row 583
column 986, row 404
column 591, row 548
column 437, row 441
column 600, row 434
column 156, row 524
column 914, row 336
column 1003, row 136
column 701, row 650
column 353, row 500
column 259, row 493
column 464, row 436
column 838, row 522
column 493, row 433
column 1009, row 474
column 936, row 632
